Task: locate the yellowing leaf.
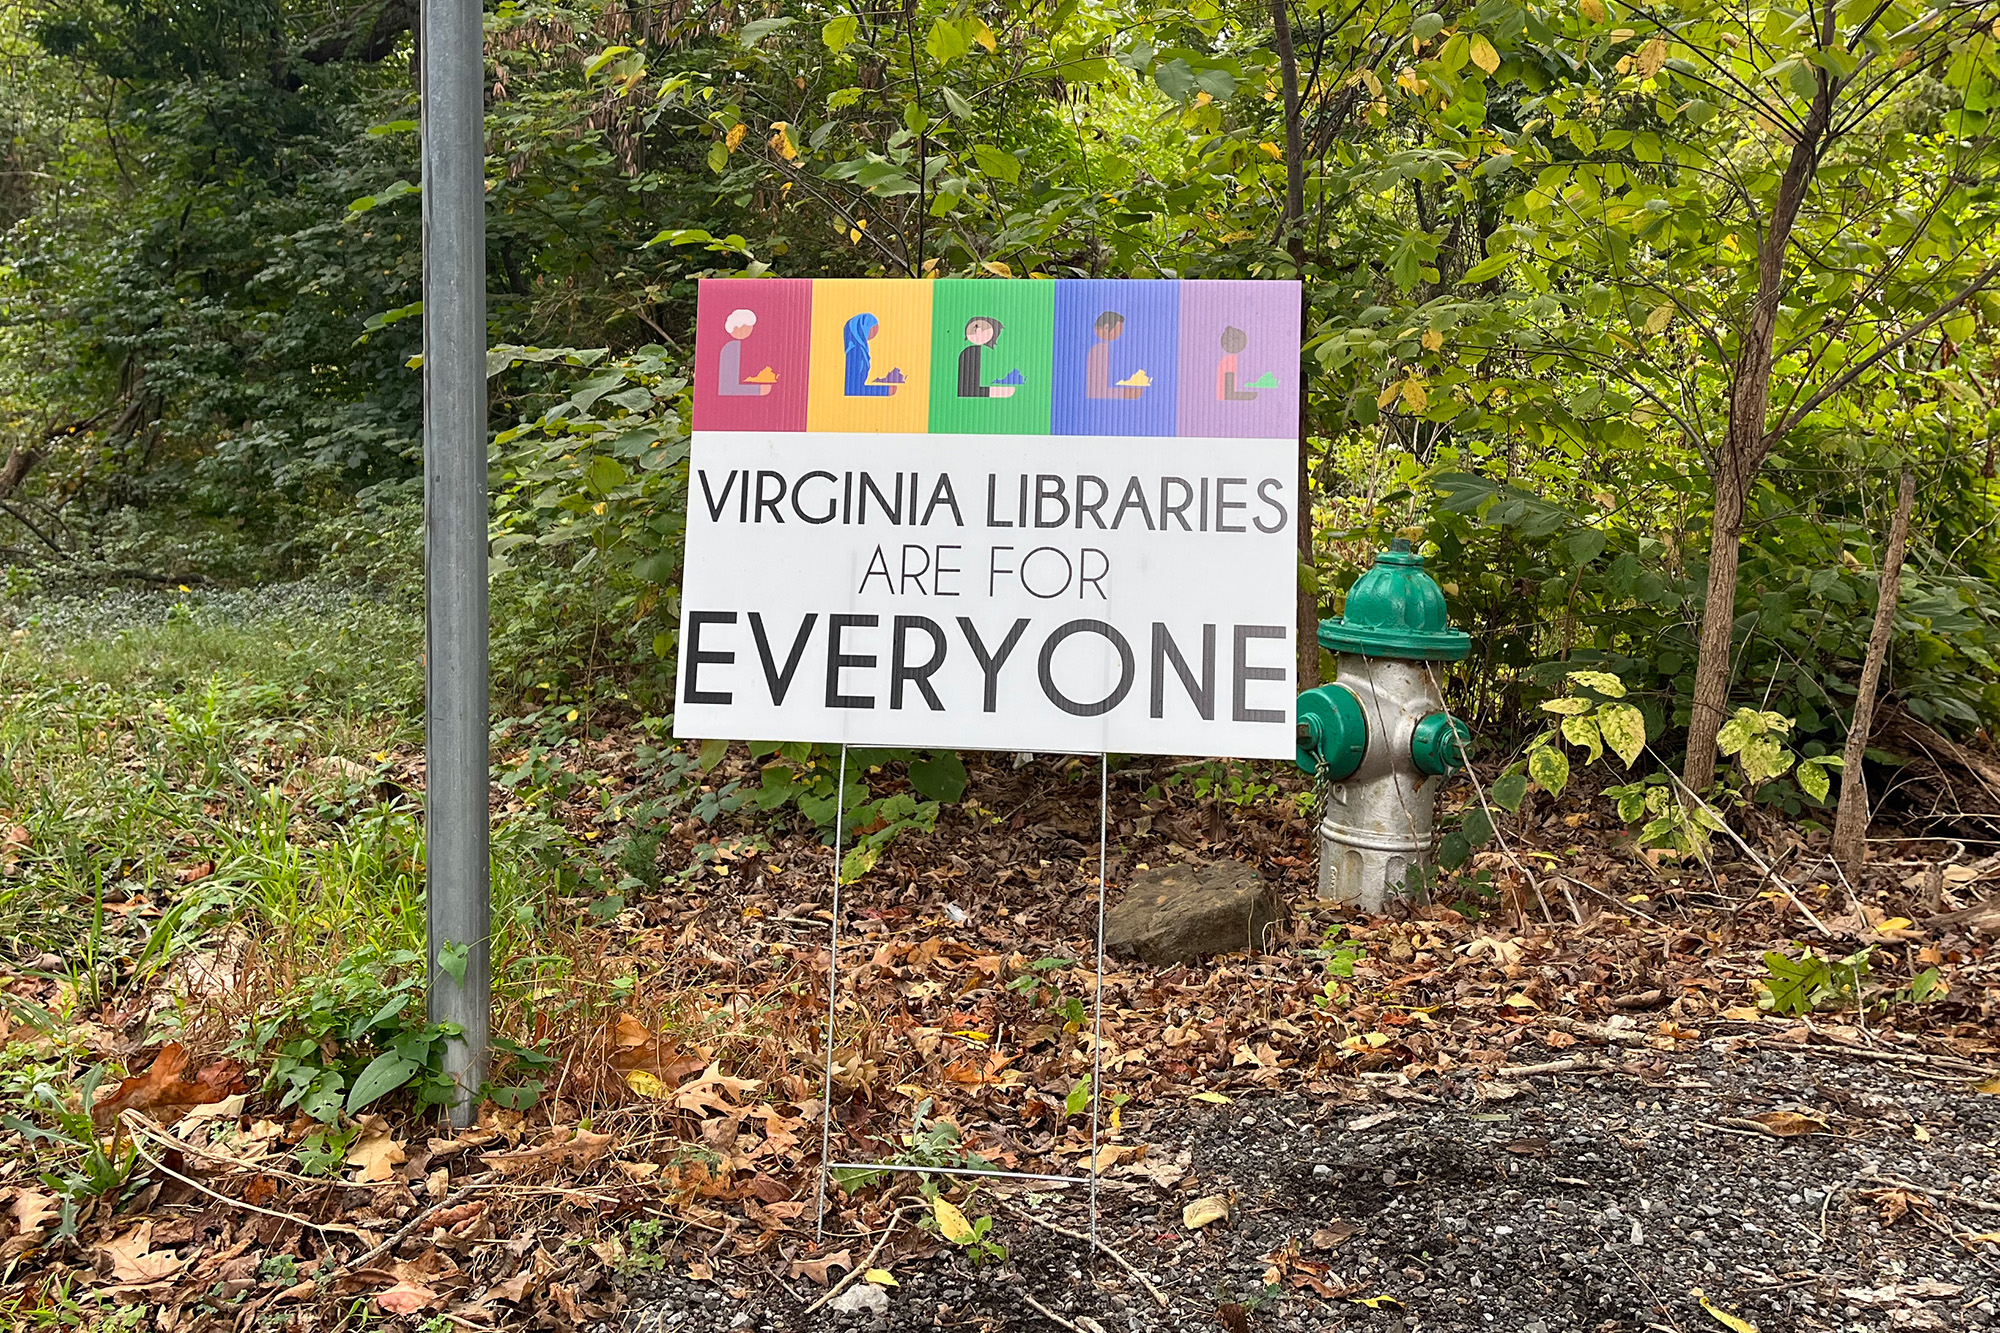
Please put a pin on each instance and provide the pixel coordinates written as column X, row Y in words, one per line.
column 735, row 135
column 880, row 1277
column 1623, row 728
column 1387, row 396
column 645, row 1083
column 1376, row 1302
column 997, row 269
column 1211, row 1208
column 1214, row 1098
column 1722, row 1316
column 1549, row 767
column 984, row 35
column 1432, row 340
column 1652, row 57
column 1602, row 681
column 951, row 1223
column 1592, row 10
column 1659, row 318
column 1414, row 395
column 1484, row 56
column 1990, row 1086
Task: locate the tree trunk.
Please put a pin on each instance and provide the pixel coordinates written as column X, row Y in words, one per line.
column 20, row 462
column 1295, row 244
column 1713, row 659
column 1850, row 824
column 1745, row 445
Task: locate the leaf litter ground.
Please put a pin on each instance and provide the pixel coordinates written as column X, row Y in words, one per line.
column 1567, row 1112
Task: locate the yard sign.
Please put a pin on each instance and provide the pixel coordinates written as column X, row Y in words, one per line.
column 999, row 515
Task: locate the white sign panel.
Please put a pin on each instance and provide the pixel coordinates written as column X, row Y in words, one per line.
column 1052, row 591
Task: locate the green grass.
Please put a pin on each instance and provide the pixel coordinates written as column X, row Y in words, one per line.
column 210, row 817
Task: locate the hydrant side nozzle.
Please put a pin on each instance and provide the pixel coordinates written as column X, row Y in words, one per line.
column 1440, row 745
column 1333, row 733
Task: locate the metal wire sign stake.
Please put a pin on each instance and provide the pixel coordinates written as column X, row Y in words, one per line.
column 1055, row 516
column 827, row 1166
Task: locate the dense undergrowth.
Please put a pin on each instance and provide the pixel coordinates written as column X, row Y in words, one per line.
column 211, row 837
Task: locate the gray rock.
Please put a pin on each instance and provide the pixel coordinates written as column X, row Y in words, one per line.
column 862, row 1296
column 1178, row 913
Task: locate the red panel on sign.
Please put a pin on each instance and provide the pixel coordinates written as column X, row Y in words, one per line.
column 750, row 361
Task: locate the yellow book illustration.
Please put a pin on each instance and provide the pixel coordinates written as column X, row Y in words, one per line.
column 1138, row 379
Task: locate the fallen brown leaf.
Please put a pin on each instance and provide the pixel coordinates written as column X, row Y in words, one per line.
column 1331, row 1236
column 1210, row 1208
column 27, row 1215
column 1788, row 1124
column 406, row 1298
column 131, row 1258
column 514, row 1290
column 166, row 1092
column 567, row 1148
column 1894, row 1203
column 819, row 1270
column 375, row 1153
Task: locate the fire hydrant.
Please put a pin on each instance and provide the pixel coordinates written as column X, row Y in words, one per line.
column 1379, row 736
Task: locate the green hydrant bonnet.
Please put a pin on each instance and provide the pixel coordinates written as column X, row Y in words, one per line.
column 1396, row 610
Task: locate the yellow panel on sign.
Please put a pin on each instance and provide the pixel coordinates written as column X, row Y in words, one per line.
column 871, row 355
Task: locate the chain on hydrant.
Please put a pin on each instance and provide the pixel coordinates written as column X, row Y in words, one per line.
column 1378, row 738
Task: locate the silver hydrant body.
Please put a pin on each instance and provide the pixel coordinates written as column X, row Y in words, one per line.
column 1379, row 736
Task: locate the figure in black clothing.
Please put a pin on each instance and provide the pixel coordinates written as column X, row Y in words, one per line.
column 981, row 332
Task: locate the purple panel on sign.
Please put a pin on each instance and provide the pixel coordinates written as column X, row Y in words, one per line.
column 1239, row 360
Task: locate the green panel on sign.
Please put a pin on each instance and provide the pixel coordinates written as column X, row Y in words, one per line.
column 992, row 354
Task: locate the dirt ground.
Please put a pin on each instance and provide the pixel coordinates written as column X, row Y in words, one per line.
column 1549, row 1101
column 1611, row 1194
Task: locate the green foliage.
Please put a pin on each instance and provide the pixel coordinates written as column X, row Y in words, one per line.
column 646, row 1242
column 1812, row 983
column 1530, row 243
column 929, row 1142
column 806, row 777
column 973, row 1235
column 1592, row 721
column 350, row 1037
column 1752, row 738
column 589, row 517
column 1805, row 985
column 53, row 1120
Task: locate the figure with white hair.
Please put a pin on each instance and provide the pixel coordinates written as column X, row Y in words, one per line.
column 730, row 383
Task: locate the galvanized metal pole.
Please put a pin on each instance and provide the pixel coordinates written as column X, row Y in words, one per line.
column 459, row 887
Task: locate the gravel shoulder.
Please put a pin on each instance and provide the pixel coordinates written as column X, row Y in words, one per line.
column 1608, row 1197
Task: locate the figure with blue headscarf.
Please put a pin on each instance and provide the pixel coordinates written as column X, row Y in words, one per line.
column 854, row 338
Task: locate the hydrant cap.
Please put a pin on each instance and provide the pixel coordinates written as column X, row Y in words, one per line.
column 1396, row 610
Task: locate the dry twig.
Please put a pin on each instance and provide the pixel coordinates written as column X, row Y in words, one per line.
column 1050, row 1314
column 859, row 1268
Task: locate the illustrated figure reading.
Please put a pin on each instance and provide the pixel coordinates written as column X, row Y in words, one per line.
column 729, row 375
column 1229, row 387
column 981, row 332
column 1110, row 326
column 855, row 336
